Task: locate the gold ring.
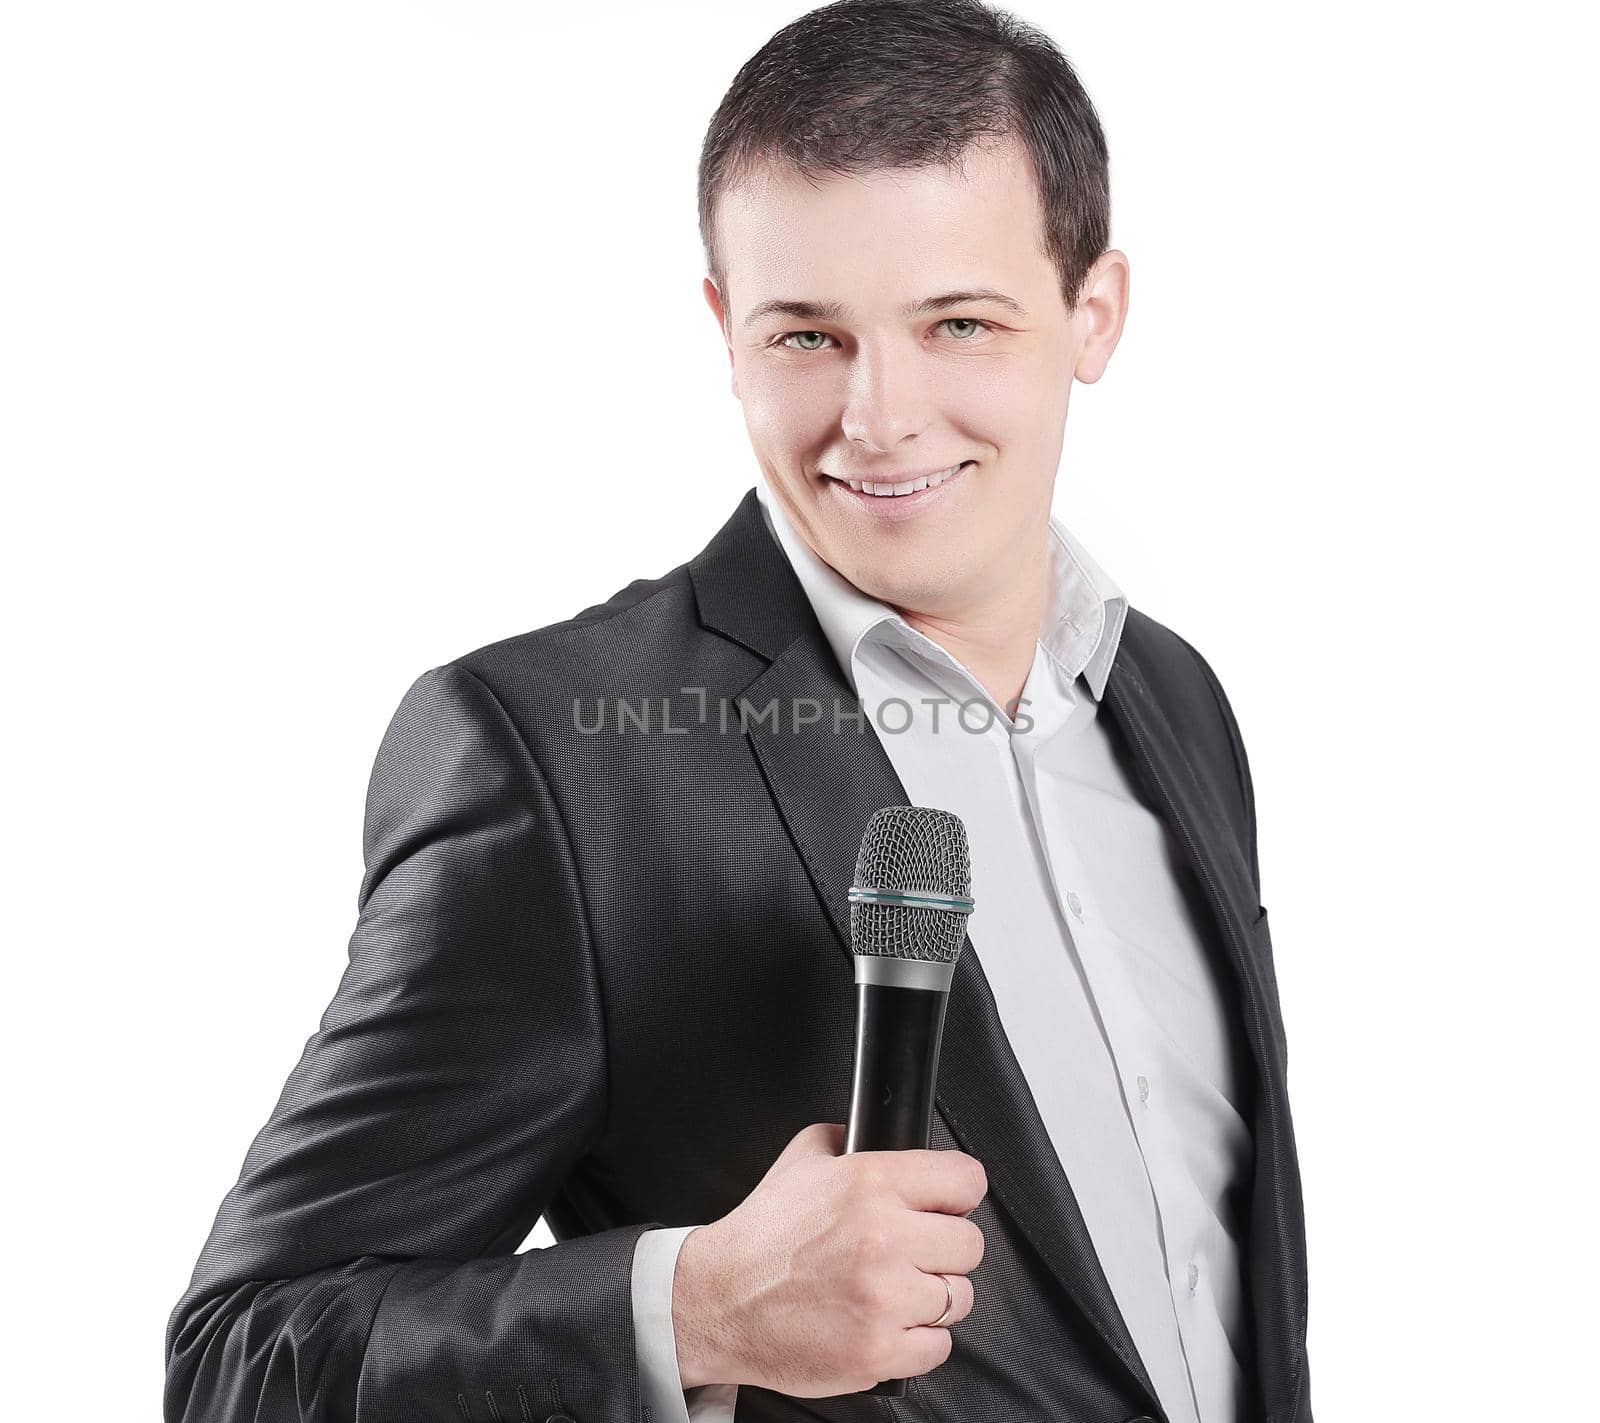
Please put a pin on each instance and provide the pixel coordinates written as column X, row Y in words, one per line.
column 949, row 1304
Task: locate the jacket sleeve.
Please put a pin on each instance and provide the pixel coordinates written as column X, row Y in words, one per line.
column 362, row 1267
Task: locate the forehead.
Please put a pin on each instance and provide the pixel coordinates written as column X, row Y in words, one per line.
column 874, row 237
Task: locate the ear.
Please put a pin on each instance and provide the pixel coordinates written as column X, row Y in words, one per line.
column 714, row 301
column 1102, row 308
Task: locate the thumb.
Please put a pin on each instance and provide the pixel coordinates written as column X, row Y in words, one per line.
column 818, row 1139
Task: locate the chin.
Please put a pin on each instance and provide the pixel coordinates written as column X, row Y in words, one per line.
column 903, row 585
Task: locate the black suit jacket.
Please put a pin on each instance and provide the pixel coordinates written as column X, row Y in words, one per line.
column 604, row 976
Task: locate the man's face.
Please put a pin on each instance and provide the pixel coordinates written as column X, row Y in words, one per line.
column 872, row 390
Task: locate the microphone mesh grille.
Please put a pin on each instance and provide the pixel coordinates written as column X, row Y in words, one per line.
column 912, row 847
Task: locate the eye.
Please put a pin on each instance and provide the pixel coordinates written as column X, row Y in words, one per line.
column 965, row 321
column 784, row 340
column 971, row 321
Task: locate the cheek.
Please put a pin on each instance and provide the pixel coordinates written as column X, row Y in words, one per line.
column 1015, row 400
column 992, row 402
column 784, row 410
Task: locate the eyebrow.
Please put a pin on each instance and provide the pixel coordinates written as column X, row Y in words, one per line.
column 837, row 311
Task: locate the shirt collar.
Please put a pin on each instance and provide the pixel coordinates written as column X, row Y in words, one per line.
column 1081, row 627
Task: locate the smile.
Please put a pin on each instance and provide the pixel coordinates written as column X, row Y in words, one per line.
column 910, row 486
column 896, row 503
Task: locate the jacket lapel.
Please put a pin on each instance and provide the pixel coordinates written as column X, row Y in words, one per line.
column 826, row 784
column 1190, row 808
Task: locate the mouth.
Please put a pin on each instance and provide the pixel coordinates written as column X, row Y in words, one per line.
column 902, row 499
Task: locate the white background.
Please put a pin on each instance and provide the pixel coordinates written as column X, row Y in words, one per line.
column 341, row 338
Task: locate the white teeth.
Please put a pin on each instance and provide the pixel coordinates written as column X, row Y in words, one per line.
column 910, row 487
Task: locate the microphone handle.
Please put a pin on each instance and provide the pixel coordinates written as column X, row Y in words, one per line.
column 898, row 1031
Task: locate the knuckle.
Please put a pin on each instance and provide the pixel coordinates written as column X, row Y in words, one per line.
column 870, row 1292
column 869, row 1244
column 867, row 1172
column 879, row 1358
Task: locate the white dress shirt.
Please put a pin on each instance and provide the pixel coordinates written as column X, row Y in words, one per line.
column 1102, row 982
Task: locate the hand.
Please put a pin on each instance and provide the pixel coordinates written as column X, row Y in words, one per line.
column 822, row 1281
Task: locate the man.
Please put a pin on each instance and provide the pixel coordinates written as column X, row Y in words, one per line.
column 602, row 968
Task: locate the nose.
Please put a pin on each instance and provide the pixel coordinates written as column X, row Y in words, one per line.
column 888, row 398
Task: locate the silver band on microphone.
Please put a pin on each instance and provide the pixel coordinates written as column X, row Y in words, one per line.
column 910, row 899
column 892, row 972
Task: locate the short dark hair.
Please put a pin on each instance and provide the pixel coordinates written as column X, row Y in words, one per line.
column 861, row 85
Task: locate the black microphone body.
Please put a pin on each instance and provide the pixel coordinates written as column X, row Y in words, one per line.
column 908, row 909
column 898, row 1030
column 897, row 1063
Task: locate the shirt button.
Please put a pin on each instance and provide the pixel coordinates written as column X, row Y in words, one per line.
column 1075, row 904
column 1194, row 1276
column 1143, row 1084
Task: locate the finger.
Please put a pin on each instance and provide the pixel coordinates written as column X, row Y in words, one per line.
column 932, row 1291
column 931, row 1347
column 818, row 1139
column 929, row 1180
column 946, row 1244
column 828, row 1138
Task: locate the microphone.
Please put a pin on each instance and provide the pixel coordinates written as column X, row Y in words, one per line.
column 908, row 914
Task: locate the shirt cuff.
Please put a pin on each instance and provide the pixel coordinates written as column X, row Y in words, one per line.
column 655, row 1261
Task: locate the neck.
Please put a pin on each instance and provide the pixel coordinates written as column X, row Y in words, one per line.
column 994, row 635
